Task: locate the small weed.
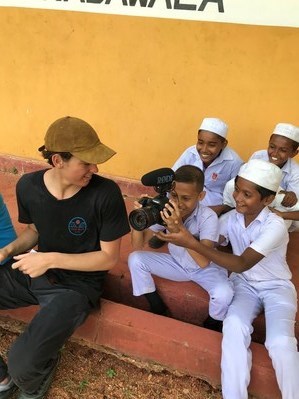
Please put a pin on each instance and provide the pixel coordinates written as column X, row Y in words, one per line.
column 128, row 393
column 111, row 373
column 83, row 385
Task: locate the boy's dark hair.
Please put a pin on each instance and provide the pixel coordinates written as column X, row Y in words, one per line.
column 293, row 143
column 264, row 192
column 190, row 174
column 48, row 155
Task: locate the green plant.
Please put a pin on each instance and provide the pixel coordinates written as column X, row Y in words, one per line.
column 111, row 373
column 82, row 385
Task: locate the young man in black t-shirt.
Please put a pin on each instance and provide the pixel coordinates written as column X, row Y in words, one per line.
column 75, row 220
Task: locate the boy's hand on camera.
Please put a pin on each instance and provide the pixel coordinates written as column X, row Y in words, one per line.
column 138, row 204
column 182, row 237
column 171, row 217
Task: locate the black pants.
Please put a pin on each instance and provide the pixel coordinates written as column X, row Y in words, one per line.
column 31, row 357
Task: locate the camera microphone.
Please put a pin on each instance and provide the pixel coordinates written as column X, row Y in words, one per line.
column 158, row 177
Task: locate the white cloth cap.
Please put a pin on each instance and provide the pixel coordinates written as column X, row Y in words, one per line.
column 214, row 125
column 262, row 173
column 287, row 130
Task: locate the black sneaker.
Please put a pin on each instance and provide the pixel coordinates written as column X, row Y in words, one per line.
column 212, row 324
column 43, row 389
column 155, row 243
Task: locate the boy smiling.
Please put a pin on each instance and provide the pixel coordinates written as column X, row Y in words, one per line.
column 282, row 148
column 182, row 264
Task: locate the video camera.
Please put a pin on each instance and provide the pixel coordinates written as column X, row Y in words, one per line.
column 149, row 214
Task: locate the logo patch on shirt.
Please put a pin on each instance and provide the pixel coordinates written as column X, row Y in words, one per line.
column 214, row 176
column 77, row 226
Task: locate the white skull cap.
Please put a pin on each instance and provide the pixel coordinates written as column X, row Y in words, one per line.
column 287, row 130
column 214, row 125
column 262, row 173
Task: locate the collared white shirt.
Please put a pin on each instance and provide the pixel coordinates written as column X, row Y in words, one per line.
column 267, row 235
column 290, row 172
column 222, row 169
column 203, row 224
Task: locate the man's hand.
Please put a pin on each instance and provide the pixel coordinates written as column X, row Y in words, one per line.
column 34, row 264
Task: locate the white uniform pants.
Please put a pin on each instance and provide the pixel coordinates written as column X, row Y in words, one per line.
column 212, row 278
column 279, row 300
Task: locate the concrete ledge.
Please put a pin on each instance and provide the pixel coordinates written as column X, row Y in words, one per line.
column 189, row 349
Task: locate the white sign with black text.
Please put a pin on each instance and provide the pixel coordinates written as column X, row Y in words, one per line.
column 252, row 12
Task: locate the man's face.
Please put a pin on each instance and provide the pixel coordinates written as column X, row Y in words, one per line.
column 186, row 195
column 78, row 173
column 280, row 149
column 209, row 145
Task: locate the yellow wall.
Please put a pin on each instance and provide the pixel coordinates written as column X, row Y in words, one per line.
column 145, row 84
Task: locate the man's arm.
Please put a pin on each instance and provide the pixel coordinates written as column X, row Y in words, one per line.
column 37, row 263
column 24, row 242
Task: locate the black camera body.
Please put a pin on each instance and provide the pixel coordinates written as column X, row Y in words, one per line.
column 149, row 214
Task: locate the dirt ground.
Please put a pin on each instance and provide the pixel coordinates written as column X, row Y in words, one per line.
column 87, row 373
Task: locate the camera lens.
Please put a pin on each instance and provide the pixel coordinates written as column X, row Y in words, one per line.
column 141, row 219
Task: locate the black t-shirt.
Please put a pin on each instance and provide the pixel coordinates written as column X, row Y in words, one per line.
column 74, row 225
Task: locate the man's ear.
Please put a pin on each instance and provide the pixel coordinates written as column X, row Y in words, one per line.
column 201, row 195
column 57, row 160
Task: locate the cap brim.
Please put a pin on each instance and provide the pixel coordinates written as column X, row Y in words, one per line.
column 98, row 154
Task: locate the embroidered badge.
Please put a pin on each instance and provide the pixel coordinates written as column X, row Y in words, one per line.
column 77, row 226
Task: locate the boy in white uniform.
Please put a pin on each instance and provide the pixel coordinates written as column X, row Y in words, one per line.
column 282, row 148
column 261, row 278
column 218, row 162
column 181, row 264
column 211, row 154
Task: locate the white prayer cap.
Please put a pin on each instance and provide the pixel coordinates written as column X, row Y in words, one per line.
column 287, row 130
column 262, row 173
column 214, row 125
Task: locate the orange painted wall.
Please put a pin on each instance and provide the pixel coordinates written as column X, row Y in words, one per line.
column 144, row 83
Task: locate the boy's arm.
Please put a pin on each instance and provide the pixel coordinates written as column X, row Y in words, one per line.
column 291, row 215
column 230, row 262
column 201, row 260
column 140, row 238
column 220, row 209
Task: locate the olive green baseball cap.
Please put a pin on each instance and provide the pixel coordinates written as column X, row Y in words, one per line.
column 74, row 135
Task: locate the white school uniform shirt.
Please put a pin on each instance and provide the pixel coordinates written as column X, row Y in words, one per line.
column 203, row 223
column 267, row 235
column 290, row 172
column 223, row 168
